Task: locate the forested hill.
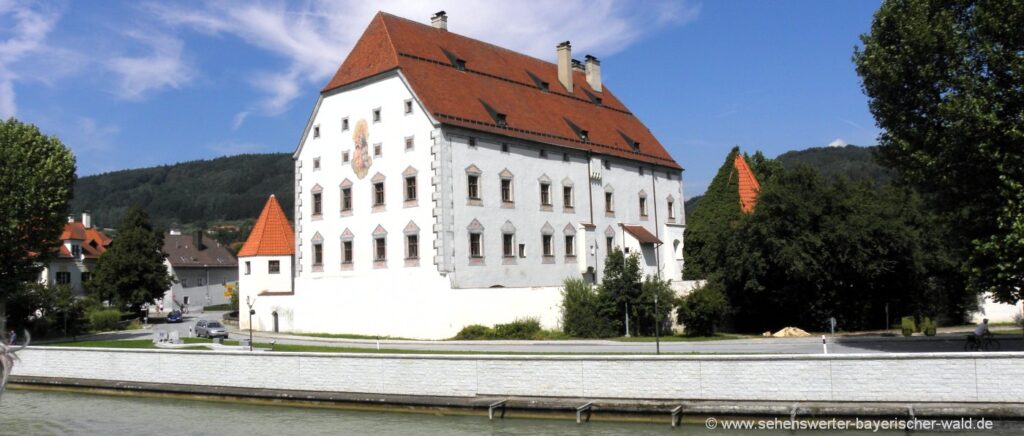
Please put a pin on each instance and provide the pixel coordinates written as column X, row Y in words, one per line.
column 853, row 162
column 190, row 194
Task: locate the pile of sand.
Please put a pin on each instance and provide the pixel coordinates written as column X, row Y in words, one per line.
column 789, row 332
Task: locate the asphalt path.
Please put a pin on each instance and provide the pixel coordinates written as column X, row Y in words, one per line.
column 951, row 342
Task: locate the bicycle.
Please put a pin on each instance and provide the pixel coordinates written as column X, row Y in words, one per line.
column 986, row 342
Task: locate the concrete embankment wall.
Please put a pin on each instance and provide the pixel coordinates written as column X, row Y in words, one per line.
column 945, row 377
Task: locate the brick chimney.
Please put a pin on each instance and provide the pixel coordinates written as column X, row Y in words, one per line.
column 197, row 240
column 593, row 70
column 86, row 220
column 439, row 20
column 564, row 51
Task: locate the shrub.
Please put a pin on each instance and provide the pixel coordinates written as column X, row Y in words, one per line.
column 908, row 326
column 701, row 310
column 523, row 328
column 581, row 311
column 475, row 332
column 928, row 327
column 104, row 319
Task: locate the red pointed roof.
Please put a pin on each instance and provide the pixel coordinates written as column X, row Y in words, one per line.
column 498, row 80
column 93, row 241
column 748, row 184
column 272, row 235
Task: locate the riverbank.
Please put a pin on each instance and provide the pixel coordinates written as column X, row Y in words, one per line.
column 926, row 384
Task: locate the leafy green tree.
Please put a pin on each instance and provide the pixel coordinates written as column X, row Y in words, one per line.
column 944, row 82
column 649, row 311
column 581, row 311
column 707, row 231
column 701, row 311
column 132, row 271
column 620, row 289
column 37, row 174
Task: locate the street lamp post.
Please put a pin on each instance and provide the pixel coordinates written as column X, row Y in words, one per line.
column 249, row 301
column 657, row 326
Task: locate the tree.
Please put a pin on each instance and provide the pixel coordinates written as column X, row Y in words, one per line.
column 707, row 231
column 944, row 83
column 703, row 309
column 37, row 174
column 581, row 311
column 132, row 271
column 620, row 289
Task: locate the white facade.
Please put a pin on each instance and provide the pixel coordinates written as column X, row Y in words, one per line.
column 444, row 288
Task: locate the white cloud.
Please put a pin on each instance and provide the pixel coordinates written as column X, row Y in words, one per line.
column 313, row 37
column 838, row 142
column 26, row 28
column 162, row 66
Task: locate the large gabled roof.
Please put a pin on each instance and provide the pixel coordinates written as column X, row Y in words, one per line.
column 93, row 241
column 272, row 235
column 497, row 80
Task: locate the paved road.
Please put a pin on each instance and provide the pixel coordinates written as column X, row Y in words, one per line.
column 952, row 342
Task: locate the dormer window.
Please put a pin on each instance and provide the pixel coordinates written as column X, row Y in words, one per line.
column 636, row 147
column 76, row 250
column 460, row 64
column 457, row 62
column 584, row 135
column 500, row 119
column 542, row 85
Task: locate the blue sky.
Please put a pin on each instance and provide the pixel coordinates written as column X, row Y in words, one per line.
column 136, row 84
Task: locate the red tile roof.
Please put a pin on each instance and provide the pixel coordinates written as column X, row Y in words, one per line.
column 748, row 184
column 93, row 241
column 272, row 235
column 501, row 79
column 641, row 234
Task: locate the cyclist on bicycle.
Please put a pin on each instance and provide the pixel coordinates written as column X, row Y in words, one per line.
column 982, row 329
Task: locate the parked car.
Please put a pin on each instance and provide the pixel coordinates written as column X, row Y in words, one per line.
column 174, row 316
column 210, row 329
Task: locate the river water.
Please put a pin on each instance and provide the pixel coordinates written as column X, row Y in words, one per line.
column 25, row 412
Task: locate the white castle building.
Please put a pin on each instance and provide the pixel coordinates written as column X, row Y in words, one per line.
column 442, row 181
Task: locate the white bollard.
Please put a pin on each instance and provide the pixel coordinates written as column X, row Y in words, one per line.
column 824, row 344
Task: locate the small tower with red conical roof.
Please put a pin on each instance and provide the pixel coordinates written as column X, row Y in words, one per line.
column 265, row 267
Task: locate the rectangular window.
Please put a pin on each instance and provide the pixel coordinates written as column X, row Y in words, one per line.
column 570, row 245
column 409, row 142
column 643, row 206
column 506, row 190
column 607, row 164
column 380, row 249
column 522, row 250
column 408, row 107
column 318, row 254
column 376, row 115
column 316, row 132
column 543, row 153
column 344, row 157
column 565, row 157
column 671, row 210
column 344, row 124
column 567, row 196
column 76, row 250
column 504, row 147
column 378, row 194
column 248, row 267
column 316, row 163
column 317, row 204
column 346, row 199
column 184, row 282
column 472, row 141
column 410, row 188
column 412, row 246
column 378, row 150
column 274, row 266
column 549, row 245
column 545, row 194
column 63, row 277
column 346, row 252
column 608, row 243
column 608, row 204
column 187, row 300
column 475, row 248
column 508, row 245
column 474, row 187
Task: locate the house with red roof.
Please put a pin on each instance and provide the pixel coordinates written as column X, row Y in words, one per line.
column 443, row 181
column 81, row 245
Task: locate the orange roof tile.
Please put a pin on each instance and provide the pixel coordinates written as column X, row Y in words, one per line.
column 503, row 80
column 748, row 184
column 272, row 235
column 641, row 234
column 94, row 242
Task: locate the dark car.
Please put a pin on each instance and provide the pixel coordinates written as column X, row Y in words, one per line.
column 174, row 316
